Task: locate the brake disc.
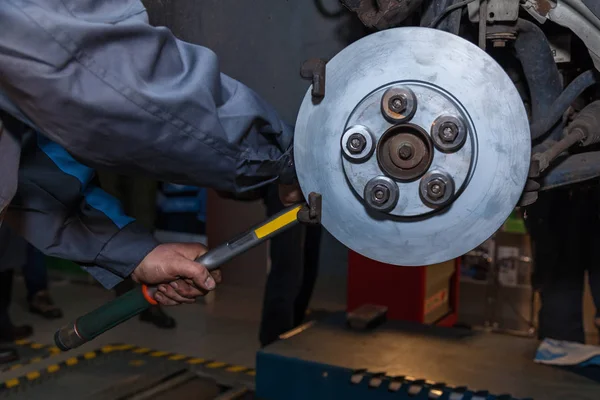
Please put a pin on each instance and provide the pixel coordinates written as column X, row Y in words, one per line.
column 420, row 147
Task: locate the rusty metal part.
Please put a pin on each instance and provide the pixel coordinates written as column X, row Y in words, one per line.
column 584, row 130
column 540, row 7
column 544, row 7
column 436, row 189
column 500, row 34
column 357, row 143
column 588, row 122
column 314, row 70
column 529, row 196
column 406, row 150
column 368, row 114
column 311, row 212
column 382, row 14
column 381, row 194
column 400, row 137
column 541, row 161
column 403, row 153
column 449, row 133
column 530, row 193
column 398, row 104
column 483, row 24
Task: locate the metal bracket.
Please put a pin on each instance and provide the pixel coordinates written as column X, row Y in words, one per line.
column 314, row 70
column 311, row 213
column 530, row 193
column 497, row 11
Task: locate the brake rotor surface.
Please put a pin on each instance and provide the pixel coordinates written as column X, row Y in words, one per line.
column 420, row 147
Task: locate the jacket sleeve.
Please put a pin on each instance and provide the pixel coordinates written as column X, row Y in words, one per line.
column 124, row 95
column 60, row 211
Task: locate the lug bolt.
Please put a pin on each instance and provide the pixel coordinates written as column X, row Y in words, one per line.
column 406, row 151
column 436, row 189
column 397, row 103
column 380, row 194
column 356, row 143
column 448, row 132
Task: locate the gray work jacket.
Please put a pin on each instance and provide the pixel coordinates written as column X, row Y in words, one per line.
column 90, row 82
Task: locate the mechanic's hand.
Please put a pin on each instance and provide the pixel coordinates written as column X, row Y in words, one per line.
column 290, row 194
column 180, row 279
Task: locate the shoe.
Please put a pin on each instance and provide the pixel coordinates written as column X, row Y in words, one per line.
column 8, row 355
column 155, row 315
column 12, row 333
column 42, row 304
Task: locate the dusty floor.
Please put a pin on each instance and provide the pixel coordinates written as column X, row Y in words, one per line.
column 225, row 329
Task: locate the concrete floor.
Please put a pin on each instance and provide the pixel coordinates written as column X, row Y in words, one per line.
column 225, row 329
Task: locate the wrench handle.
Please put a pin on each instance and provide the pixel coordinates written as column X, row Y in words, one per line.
column 122, row 308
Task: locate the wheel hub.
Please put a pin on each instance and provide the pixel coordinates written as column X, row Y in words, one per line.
column 418, row 161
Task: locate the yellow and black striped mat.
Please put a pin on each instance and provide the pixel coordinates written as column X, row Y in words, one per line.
column 141, row 352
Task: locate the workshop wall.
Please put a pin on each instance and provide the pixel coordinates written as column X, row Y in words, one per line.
column 262, row 43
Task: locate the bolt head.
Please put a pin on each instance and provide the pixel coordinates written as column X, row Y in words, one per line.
column 356, row 143
column 448, row 132
column 436, row 189
column 397, row 103
column 406, row 151
column 380, row 194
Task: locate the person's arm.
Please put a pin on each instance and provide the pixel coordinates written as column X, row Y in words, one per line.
column 60, row 211
column 121, row 94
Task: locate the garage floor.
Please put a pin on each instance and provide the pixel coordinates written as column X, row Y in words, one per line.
column 226, row 329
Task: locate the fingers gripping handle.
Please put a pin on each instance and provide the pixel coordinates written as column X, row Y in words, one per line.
column 119, row 310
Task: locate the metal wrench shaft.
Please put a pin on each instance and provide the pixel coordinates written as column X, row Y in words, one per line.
column 119, row 310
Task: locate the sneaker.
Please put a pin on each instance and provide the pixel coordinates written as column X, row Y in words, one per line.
column 155, row 315
column 43, row 305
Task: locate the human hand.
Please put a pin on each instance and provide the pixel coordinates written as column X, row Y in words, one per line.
column 290, row 194
column 180, row 279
